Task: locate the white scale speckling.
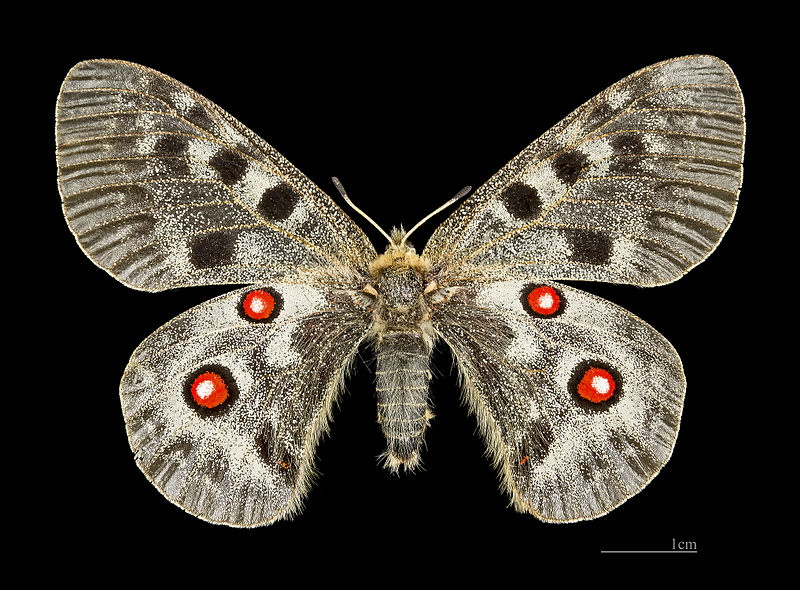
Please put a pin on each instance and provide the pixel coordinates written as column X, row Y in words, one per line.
column 296, row 221
column 182, row 101
column 534, row 410
column 599, row 152
column 497, row 216
column 546, row 302
column 256, row 180
column 146, row 144
column 229, row 131
column 617, row 99
column 205, row 388
column 166, row 244
column 549, row 187
column 601, row 384
column 528, row 348
column 148, row 121
column 278, row 346
column 202, row 151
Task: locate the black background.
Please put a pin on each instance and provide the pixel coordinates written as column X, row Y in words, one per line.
column 405, row 109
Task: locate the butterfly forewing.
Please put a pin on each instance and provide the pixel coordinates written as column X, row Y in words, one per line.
column 636, row 186
column 164, row 189
column 579, row 401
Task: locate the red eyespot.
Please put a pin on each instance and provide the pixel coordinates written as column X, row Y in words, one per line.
column 209, row 390
column 258, row 305
column 597, row 385
column 544, row 300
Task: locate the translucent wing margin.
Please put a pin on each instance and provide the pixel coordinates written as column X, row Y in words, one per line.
column 164, row 189
column 248, row 461
column 636, row 186
column 562, row 457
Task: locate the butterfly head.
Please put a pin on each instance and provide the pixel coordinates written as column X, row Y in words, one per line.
column 399, row 254
column 397, row 283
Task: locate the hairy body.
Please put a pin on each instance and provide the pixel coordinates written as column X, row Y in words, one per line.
column 579, row 401
column 403, row 337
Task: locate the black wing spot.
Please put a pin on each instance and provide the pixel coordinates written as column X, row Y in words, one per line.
column 628, row 148
column 278, row 202
column 602, row 111
column 628, row 143
column 589, row 245
column 160, row 88
column 212, row 250
column 568, row 166
column 522, row 201
column 536, row 445
column 230, row 166
column 200, row 117
column 174, row 168
column 171, row 145
column 625, row 165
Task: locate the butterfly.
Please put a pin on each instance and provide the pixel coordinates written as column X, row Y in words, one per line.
column 579, row 402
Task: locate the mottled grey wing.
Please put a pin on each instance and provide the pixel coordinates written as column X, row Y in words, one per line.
column 248, row 460
column 162, row 188
column 564, row 453
column 636, row 186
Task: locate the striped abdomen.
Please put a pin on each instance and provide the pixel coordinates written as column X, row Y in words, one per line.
column 402, row 386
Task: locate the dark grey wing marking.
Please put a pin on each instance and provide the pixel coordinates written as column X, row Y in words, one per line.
column 247, row 461
column 164, row 189
column 636, row 186
column 564, row 458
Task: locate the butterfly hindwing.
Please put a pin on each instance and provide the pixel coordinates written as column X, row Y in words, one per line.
column 637, row 186
column 564, row 453
column 164, row 189
column 579, row 401
column 280, row 353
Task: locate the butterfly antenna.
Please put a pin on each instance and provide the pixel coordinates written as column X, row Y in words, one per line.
column 340, row 188
column 461, row 194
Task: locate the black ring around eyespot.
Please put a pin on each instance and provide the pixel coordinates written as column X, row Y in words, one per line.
column 226, row 376
column 530, row 288
column 276, row 310
column 578, row 374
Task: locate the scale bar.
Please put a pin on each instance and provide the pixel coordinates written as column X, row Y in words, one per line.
column 648, row 551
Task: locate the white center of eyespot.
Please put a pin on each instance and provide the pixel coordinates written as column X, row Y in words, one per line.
column 257, row 305
column 600, row 384
column 546, row 301
column 205, row 388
